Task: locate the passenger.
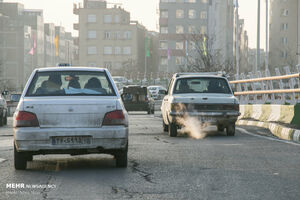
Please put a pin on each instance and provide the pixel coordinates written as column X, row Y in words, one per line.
column 74, row 84
column 95, row 84
column 54, row 82
column 42, row 89
column 214, row 87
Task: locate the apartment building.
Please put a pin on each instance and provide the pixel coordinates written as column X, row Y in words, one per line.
column 284, row 34
column 243, row 47
column 109, row 39
column 181, row 21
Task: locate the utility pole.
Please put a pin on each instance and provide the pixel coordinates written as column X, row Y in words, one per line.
column 237, row 45
column 267, row 35
column 258, row 39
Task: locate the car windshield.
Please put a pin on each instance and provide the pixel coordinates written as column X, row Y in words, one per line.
column 153, row 88
column 202, row 85
column 70, row 83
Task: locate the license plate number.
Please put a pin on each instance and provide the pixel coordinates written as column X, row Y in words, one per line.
column 71, row 140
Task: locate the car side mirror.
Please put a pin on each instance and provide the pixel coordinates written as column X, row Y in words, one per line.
column 15, row 97
column 5, row 92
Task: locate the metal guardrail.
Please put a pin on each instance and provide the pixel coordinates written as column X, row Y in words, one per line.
column 261, row 90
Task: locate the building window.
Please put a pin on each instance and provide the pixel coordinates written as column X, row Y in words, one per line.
column 164, row 14
column 163, row 61
column 283, row 54
column 179, row 29
column 284, row 26
column 108, row 35
column 163, row 44
column 284, row 40
column 163, row 29
column 117, row 50
column 190, row 1
column 192, row 14
column 92, row 34
column 179, row 14
column 203, row 30
column 179, row 60
column 192, row 29
column 92, row 50
column 179, row 45
column 117, row 19
column 118, row 35
column 107, row 19
column 203, row 15
column 127, row 35
column 285, row 12
column 192, row 45
column 92, row 18
column 107, row 50
column 204, row 1
column 126, row 50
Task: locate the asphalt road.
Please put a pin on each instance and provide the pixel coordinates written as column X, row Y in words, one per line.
column 247, row 166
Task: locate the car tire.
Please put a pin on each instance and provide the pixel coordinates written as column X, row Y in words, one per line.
column 121, row 159
column 20, row 159
column 172, row 130
column 166, row 127
column 220, row 128
column 230, row 130
column 149, row 111
column 152, row 111
column 1, row 121
column 5, row 120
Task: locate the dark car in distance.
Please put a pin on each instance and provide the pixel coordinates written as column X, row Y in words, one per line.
column 137, row 98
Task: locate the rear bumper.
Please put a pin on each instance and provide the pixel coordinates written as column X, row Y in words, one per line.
column 223, row 118
column 39, row 140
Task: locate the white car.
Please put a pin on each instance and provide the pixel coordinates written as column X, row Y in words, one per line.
column 204, row 96
column 70, row 110
column 157, row 92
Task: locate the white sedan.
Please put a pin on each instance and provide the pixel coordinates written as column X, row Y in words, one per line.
column 70, row 110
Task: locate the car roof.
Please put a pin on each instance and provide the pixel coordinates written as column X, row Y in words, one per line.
column 49, row 69
column 200, row 76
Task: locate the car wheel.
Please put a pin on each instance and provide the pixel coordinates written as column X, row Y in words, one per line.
column 166, row 127
column 1, row 121
column 121, row 159
column 20, row 159
column 5, row 120
column 230, row 130
column 152, row 111
column 220, row 128
column 172, row 130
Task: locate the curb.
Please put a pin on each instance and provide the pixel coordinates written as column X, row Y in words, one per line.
column 277, row 130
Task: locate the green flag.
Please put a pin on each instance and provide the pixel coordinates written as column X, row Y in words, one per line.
column 204, row 46
column 147, row 47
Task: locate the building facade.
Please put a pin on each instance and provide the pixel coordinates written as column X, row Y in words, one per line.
column 284, row 34
column 186, row 23
column 109, row 39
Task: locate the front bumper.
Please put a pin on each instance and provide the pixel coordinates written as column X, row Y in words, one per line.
column 40, row 139
column 214, row 117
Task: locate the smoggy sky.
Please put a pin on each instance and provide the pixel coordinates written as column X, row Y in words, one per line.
column 60, row 12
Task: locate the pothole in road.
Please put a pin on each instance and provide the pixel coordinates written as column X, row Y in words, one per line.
column 144, row 174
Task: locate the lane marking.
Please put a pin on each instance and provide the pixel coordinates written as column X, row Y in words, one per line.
column 2, row 160
column 266, row 137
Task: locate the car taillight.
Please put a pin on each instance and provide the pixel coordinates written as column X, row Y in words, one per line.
column 26, row 119
column 114, row 118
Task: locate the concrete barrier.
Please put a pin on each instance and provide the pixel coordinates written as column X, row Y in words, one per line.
column 287, row 114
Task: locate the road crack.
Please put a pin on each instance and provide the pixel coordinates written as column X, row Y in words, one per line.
column 145, row 175
column 164, row 141
column 46, row 189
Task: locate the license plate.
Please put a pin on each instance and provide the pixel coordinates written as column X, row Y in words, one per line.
column 208, row 119
column 71, row 140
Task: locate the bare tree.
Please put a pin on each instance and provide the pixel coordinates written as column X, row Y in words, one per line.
column 201, row 56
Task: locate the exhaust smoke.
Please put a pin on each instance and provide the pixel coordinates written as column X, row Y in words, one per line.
column 192, row 126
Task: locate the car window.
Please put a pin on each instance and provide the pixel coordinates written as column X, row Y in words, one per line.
column 68, row 83
column 202, row 85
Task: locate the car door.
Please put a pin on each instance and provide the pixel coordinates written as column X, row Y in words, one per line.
column 166, row 102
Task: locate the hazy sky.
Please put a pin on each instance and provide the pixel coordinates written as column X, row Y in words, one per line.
column 60, row 12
